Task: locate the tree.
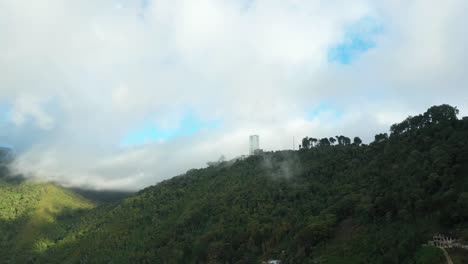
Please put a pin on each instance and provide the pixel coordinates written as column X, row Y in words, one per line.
column 434, row 115
column 409, row 124
column 399, row 128
column 324, row 142
column 346, row 141
column 332, row 140
column 381, row 137
column 416, row 122
column 440, row 114
column 305, row 143
column 313, row 142
column 340, row 140
column 357, row 141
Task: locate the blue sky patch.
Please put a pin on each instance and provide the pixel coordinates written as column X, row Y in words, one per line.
column 150, row 132
column 358, row 38
column 19, row 138
column 246, row 5
column 5, row 112
column 145, row 3
column 322, row 109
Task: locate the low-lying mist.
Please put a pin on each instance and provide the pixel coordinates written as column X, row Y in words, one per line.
column 119, row 95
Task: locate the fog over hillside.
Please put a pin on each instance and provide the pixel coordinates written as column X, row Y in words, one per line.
column 122, row 94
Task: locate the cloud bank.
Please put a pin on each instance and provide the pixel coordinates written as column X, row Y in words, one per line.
column 123, row 94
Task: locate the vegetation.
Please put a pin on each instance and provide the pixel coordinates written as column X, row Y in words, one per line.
column 28, row 216
column 333, row 201
column 430, row 255
column 458, row 255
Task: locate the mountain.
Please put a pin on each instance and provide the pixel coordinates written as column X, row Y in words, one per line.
column 326, row 203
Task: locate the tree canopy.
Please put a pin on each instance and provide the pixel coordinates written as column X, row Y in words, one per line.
column 326, row 203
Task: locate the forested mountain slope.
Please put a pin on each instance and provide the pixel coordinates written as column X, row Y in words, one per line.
column 326, row 203
column 28, row 215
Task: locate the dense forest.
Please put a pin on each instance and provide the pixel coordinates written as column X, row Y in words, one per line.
column 335, row 200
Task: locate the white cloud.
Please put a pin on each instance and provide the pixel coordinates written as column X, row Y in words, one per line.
column 27, row 106
column 109, row 66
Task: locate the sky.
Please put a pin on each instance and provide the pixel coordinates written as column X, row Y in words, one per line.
column 121, row 94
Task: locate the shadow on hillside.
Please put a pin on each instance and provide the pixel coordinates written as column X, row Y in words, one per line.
column 53, row 239
column 101, row 197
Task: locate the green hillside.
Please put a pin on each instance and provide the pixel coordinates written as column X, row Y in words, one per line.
column 28, row 217
column 326, row 203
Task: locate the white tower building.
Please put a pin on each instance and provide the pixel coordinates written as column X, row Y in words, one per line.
column 254, row 143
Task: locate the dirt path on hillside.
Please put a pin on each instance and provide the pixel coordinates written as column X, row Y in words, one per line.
column 449, row 260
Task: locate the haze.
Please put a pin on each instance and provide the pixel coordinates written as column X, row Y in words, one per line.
column 124, row 94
